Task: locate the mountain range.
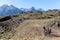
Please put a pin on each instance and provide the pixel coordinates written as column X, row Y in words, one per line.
column 8, row 10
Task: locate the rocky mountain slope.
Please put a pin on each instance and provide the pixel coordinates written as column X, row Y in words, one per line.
column 33, row 30
column 29, row 24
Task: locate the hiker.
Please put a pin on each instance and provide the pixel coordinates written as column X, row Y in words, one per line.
column 47, row 31
column 58, row 24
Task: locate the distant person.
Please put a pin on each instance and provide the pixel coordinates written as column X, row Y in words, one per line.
column 58, row 24
column 47, row 31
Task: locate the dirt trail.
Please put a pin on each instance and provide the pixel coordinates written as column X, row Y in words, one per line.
column 32, row 30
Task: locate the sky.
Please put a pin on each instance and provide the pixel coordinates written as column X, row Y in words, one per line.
column 44, row 4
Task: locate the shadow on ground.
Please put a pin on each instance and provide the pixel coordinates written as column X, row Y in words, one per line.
column 54, row 35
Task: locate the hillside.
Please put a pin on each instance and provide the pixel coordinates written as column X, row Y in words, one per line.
column 33, row 30
column 29, row 24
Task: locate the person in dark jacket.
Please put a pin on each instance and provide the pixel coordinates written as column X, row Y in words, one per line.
column 48, row 31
